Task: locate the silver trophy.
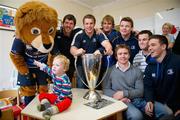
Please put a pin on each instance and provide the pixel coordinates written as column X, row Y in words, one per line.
column 91, row 65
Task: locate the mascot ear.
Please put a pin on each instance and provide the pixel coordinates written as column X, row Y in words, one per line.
column 22, row 13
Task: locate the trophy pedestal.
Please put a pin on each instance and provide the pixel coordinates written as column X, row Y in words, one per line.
column 92, row 96
column 99, row 104
column 95, row 100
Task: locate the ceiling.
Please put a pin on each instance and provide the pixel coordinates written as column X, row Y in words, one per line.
column 96, row 3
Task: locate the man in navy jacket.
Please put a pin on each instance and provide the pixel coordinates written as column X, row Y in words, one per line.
column 162, row 80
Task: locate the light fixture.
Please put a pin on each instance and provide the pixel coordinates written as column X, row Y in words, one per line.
column 160, row 16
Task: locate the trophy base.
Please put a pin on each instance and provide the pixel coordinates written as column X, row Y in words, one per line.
column 92, row 95
column 99, row 104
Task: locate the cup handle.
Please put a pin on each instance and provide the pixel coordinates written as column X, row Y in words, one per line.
column 75, row 61
column 108, row 57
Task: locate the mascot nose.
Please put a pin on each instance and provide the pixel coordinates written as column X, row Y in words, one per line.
column 47, row 46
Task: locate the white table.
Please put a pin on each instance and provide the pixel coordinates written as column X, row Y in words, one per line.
column 77, row 110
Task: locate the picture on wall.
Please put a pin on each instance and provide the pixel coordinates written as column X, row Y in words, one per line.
column 7, row 17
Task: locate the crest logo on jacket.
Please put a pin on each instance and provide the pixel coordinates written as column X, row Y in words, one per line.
column 84, row 41
column 94, row 39
column 153, row 75
column 170, row 71
column 59, row 37
column 132, row 47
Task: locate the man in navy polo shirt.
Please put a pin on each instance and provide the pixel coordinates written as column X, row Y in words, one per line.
column 87, row 41
column 127, row 36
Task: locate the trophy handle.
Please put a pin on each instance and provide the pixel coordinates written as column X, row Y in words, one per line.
column 75, row 61
column 108, row 57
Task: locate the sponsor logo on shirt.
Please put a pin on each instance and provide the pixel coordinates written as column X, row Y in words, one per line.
column 94, row 39
column 84, row 41
column 29, row 47
column 132, row 47
column 59, row 37
column 153, row 75
column 170, row 71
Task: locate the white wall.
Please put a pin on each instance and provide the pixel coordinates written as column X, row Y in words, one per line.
column 6, row 67
column 63, row 7
column 172, row 16
column 141, row 12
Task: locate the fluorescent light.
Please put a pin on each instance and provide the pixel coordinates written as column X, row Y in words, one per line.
column 160, row 16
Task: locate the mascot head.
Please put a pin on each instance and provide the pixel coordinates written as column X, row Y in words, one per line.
column 36, row 25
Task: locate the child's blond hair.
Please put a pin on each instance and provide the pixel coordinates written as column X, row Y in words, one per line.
column 170, row 26
column 64, row 61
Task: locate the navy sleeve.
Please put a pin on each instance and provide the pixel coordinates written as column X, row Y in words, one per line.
column 77, row 41
column 148, row 85
column 18, row 47
column 57, row 38
column 101, row 38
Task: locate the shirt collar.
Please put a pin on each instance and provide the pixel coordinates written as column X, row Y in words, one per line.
column 123, row 70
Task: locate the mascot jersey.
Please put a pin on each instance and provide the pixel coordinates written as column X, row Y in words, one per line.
column 29, row 52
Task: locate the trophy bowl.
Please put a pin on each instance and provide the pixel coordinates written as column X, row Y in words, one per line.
column 91, row 66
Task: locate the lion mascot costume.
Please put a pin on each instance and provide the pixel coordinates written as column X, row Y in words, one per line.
column 36, row 25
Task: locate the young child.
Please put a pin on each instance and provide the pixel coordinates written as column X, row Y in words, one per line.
column 61, row 98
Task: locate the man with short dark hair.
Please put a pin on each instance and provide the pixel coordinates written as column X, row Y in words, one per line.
column 142, row 58
column 127, row 36
column 63, row 40
column 162, row 80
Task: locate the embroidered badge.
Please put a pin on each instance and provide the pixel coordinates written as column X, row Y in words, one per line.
column 153, row 75
column 132, row 47
column 84, row 41
column 59, row 37
column 170, row 71
column 94, row 39
column 29, row 47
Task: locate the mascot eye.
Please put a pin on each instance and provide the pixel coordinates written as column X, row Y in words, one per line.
column 35, row 31
column 51, row 30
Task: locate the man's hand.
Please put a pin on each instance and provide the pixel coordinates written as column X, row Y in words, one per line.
column 108, row 48
column 108, row 52
column 80, row 51
column 97, row 52
column 126, row 100
column 99, row 31
column 149, row 109
column 118, row 95
column 177, row 112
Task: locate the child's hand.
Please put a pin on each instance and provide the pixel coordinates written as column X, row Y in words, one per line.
column 37, row 63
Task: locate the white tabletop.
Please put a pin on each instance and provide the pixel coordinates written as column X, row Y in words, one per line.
column 77, row 110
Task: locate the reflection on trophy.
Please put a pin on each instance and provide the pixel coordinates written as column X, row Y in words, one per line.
column 92, row 65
